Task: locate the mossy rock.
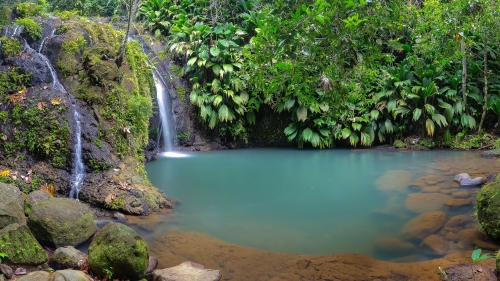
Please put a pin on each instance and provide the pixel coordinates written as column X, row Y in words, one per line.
column 5, row 16
column 34, row 198
column 20, row 246
column 119, row 248
column 488, row 209
column 58, row 222
column 11, row 206
column 399, row 144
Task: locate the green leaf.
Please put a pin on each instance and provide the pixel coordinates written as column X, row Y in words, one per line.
column 228, row 68
column 315, row 139
column 306, row 134
column 214, row 51
column 388, row 126
column 443, row 104
column 400, row 110
column 391, row 105
column 302, row 113
column 289, row 103
column 224, row 113
column 251, row 117
column 292, row 128
column 324, row 132
column 374, row 114
column 191, row 61
column 475, row 254
column 416, row 114
column 216, row 69
column 346, row 132
column 324, row 107
column 353, row 139
column 217, row 100
column 213, row 119
column 356, row 126
column 440, row 120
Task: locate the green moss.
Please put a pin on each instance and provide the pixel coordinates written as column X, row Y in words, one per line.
column 10, row 46
column 399, row 144
column 181, row 92
column 117, row 204
column 488, row 209
column 120, row 248
column 20, row 246
column 98, row 165
column 5, row 14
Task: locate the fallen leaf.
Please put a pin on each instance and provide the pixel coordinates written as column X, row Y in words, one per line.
column 41, row 105
column 28, row 180
column 110, row 198
column 56, row 101
column 5, row 173
column 4, row 137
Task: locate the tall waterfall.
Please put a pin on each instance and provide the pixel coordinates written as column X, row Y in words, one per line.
column 78, row 172
column 164, row 107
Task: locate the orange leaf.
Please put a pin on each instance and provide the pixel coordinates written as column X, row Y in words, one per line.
column 41, row 105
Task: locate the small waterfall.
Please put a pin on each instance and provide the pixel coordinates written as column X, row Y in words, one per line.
column 167, row 127
column 44, row 39
column 78, row 172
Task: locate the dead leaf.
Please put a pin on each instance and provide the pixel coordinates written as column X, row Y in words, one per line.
column 28, row 180
column 479, row 269
column 56, row 101
column 41, row 105
column 110, row 198
column 4, row 137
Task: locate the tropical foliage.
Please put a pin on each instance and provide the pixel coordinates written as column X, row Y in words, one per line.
column 354, row 71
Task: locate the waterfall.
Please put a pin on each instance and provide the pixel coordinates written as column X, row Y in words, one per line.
column 78, row 172
column 44, row 39
column 167, row 127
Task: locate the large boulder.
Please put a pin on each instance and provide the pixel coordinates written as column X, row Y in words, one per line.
column 58, row 222
column 71, row 275
column 119, row 248
column 488, row 209
column 20, row 246
column 186, row 271
column 36, row 276
column 11, row 206
column 426, row 202
column 67, row 257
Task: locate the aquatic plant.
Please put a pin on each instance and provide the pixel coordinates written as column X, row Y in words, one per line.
column 476, row 255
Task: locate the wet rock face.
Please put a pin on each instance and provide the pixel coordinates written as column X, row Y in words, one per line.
column 32, row 62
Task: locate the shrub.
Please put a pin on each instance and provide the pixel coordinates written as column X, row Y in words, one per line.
column 33, row 28
column 10, row 46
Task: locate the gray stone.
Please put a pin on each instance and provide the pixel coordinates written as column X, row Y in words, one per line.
column 67, row 257
column 11, row 206
column 58, row 222
column 34, row 198
column 186, row 271
column 71, row 275
column 6, row 270
column 465, row 179
column 36, row 276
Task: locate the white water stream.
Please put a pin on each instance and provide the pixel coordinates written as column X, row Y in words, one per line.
column 167, row 131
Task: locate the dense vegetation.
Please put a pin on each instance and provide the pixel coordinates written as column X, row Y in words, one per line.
column 362, row 71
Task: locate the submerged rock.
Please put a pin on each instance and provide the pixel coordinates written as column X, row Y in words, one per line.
column 423, row 225
column 394, row 245
column 58, row 222
column 187, row 271
column 455, row 203
column 433, row 245
column 426, row 202
column 119, row 247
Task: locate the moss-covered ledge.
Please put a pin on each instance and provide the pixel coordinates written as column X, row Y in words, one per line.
column 488, row 209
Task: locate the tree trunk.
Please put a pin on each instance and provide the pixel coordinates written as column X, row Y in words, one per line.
column 121, row 52
column 464, row 74
column 485, row 88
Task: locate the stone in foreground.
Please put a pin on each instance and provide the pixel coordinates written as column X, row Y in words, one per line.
column 186, row 271
column 67, row 257
column 20, row 246
column 121, row 249
column 58, row 222
column 423, row 225
column 488, row 209
column 469, row 272
column 11, row 206
column 465, row 179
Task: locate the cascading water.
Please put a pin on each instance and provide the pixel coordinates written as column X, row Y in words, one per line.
column 78, row 172
column 166, row 126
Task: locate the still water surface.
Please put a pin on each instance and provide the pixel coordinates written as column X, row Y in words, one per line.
column 314, row 202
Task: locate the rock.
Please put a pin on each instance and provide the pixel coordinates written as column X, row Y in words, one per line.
column 460, row 194
column 426, row 202
column 450, row 236
column 491, row 153
column 485, row 245
column 446, row 191
column 423, row 225
column 394, row 180
column 465, row 179
column 58, row 222
column 153, row 263
column 11, row 206
column 488, row 209
column 394, row 245
column 67, row 257
column 303, row 264
column 20, row 246
column 468, row 236
column 36, row 276
column 119, row 216
column 21, row 271
column 7, row 271
column 455, row 203
column 491, row 177
column 469, row 272
column 431, row 189
column 34, row 198
column 119, row 247
column 71, row 275
column 433, row 245
column 186, row 272
column 457, row 221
